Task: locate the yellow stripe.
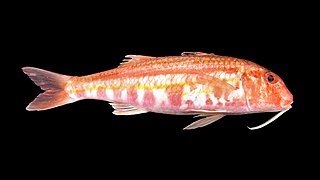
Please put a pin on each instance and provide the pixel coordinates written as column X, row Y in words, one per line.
column 134, row 87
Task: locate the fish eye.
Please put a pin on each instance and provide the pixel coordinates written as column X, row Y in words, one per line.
column 271, row 77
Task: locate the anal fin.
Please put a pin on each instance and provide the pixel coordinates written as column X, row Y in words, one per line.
column 126, row 109
column 204, row 121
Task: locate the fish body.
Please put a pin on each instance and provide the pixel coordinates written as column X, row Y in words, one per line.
column 191, row 84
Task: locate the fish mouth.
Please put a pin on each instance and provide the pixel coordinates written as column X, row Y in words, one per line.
column 286, row 104
column 286, row 101
column 287, row 107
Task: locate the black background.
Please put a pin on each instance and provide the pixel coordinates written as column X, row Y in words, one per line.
column 80, row 40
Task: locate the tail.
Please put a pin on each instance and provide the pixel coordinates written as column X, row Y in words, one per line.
column 53, row 84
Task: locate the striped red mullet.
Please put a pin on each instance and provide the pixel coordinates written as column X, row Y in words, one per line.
column 194, row 83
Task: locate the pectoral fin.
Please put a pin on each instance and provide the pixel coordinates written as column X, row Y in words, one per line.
column 204, row 121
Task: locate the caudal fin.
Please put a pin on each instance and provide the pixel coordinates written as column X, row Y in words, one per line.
column 53, row 84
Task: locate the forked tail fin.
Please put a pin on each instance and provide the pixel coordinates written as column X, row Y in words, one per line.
column 53, row 84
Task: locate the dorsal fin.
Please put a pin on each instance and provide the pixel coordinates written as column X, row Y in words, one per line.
column 196, row 54
column 136, row 57
column 133, row 58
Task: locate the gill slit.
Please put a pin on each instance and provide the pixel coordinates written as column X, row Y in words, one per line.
column 245, row 94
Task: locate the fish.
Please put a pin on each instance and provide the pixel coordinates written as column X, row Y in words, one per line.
column 204, row 85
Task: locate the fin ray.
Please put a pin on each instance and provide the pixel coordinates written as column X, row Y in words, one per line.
column 49, row 99
column 196, row 54
column 126, row 109
column 204, row 112
column 204, row 121
column 133, row 58
column 53, row 84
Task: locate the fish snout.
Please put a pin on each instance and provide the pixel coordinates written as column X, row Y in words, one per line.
column 286, row 99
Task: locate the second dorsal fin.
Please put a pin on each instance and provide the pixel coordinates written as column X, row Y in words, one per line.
column 196, row 54
column 133, row 58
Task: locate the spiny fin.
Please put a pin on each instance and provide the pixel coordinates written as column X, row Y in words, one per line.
column 133, row 58
column 196, row 54
column 126, row 109
column 204, row 121
column 53, row 84
column 136, row 57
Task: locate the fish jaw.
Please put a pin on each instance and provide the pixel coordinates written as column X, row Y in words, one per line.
column 286, row 100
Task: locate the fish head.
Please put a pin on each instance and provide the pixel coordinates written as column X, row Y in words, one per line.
column 265, row 91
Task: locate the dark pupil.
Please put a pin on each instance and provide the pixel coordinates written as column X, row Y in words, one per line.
column 270, row 78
